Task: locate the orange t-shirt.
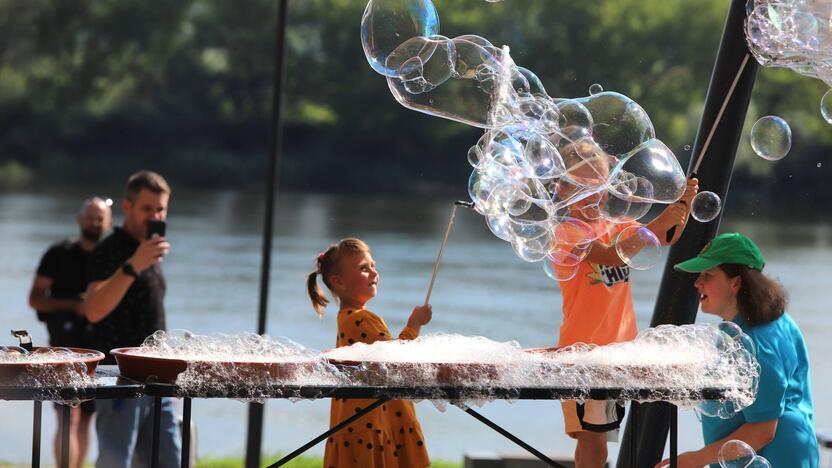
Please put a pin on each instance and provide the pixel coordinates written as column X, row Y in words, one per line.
column 597, row 302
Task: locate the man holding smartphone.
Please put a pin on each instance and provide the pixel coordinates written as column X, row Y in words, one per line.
column 125, row 304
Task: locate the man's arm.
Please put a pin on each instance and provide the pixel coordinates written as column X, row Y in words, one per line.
column 103, row 296
column 42, row 301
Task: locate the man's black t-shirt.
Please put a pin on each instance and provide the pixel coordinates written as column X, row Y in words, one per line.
column 65, row 263
column 141, row 311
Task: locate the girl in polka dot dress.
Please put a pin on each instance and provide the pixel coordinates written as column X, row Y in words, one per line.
column 389, row 436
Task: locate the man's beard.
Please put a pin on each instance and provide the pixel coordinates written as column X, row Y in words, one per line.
column 92, row 235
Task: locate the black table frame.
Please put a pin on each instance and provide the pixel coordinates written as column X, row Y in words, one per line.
column 456, row 395
column 109, row 385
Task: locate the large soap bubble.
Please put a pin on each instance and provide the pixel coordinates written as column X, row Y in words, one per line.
column 737, row 454
column 705, row 206
column 388, row 23
column 771, row 138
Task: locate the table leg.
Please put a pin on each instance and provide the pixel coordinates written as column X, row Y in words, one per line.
column 36, row 421
column 674, row 434
column 186, row 433
column 157, row 422
column 65, row 430
column 634, row 407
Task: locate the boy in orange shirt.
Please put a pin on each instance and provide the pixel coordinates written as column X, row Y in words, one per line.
column 597, row 301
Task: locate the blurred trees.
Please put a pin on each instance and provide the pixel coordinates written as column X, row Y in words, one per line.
column 93, row 89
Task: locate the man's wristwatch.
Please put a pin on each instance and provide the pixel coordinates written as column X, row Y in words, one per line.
column 128, row 270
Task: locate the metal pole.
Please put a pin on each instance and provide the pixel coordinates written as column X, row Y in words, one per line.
column 65, row 430
column 186, row 433
column 36, row 421
column 255, row 411
column 677, row 302
column 157, row 424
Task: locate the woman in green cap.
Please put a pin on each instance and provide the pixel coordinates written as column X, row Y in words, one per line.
column 779, row 425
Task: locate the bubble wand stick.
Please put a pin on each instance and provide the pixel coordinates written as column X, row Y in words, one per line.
column 672, row 231
column 457, row 203
column 719, row 115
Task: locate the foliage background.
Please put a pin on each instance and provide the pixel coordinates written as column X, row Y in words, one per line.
column 91, row 90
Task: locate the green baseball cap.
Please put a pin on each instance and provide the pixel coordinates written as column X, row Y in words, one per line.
column 731, row 247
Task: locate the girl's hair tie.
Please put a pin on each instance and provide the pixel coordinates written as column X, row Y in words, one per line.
column 321, row 257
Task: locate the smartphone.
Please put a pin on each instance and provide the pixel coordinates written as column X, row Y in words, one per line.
column 155, row 227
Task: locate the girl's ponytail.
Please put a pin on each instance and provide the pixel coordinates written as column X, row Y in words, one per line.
column 316, row 294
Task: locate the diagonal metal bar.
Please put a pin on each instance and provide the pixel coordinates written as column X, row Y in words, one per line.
column 328, row 433
column 509, row 436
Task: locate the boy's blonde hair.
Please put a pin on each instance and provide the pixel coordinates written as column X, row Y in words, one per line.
column 586, row 163
column 327, row 265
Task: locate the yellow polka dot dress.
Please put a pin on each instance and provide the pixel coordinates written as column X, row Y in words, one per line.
column 388, row 436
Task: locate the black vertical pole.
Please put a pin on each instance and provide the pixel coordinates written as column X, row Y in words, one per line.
column 255, row 411
column 157, row 424
column 36, row 420
column 186, row 433
column 678, row 302
column 65, row 430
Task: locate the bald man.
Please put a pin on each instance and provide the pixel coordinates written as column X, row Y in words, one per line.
column 57, row 296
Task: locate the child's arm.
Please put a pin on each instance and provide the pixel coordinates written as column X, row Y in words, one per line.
column 421, row 315
column 675, row 214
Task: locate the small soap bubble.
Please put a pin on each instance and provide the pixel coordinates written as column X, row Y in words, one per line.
column 826, row 106
column 735, row 454
column 820, row 164
column 687, row 147
column 595, row 88
column 771, row 138
column 705, row 206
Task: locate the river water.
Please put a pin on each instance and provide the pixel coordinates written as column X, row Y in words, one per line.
column 482, row 289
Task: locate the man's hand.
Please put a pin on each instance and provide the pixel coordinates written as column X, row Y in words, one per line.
column 421, row 315
column 149, row 252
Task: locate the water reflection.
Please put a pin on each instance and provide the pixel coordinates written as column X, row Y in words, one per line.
column 482, row 289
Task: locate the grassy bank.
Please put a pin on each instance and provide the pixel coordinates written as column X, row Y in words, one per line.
column 237, row 462
column 299, row 462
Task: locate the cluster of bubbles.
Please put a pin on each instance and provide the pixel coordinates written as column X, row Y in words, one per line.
column 247, row 366
column 550, row 175
column 54, row 374
column 666, row 363
column 738, row 454
column 793, row 34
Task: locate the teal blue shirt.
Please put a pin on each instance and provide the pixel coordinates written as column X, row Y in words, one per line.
column 784, row 394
